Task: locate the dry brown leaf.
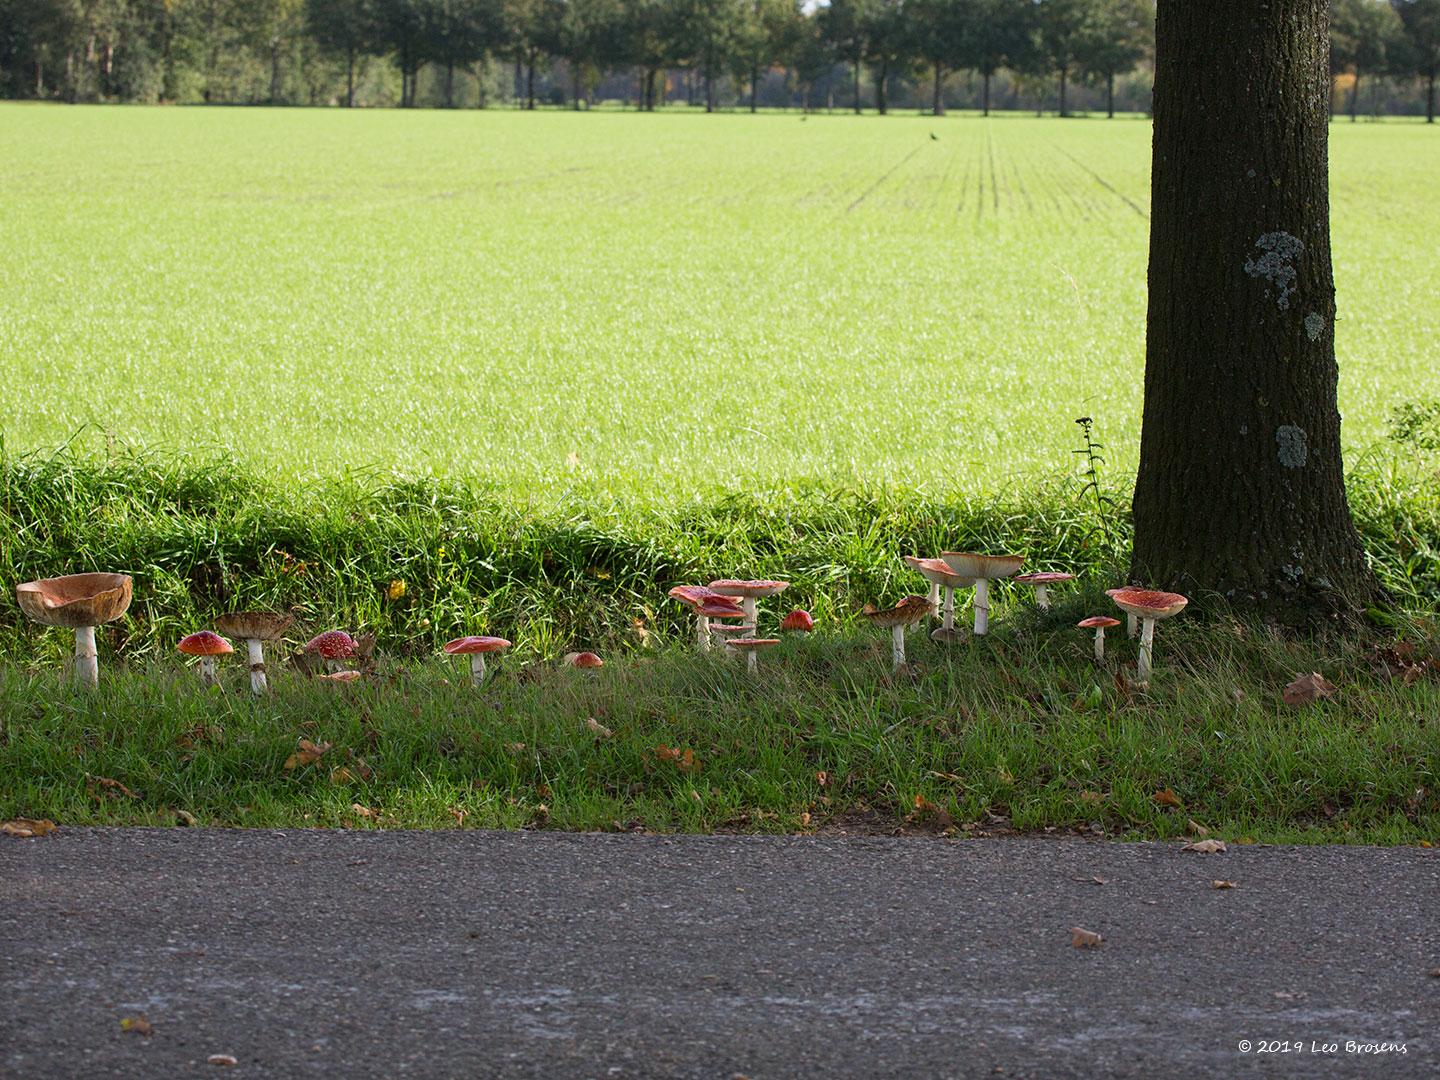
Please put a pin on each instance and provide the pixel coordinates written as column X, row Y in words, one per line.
column 1196, row 829
column 342, row 775
column 1167, row 797
column 103, row 784
column 308, row 754
column 1206, row 847
column 1308, row 688
column 459, row 815
column 1085, row 939
column 23, row 827
column 599, row 729
column 1219, row 883
column 224, row 1060
column 823, row 778
column 138, row 1024
column 186, row 818
column 1091, row 798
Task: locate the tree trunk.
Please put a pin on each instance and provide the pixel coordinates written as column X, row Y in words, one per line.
column 1110, row 96
column 939, row 107
column 857, row 87
column 1430, row 100
column 39, row 80
column 350, row 78
column 754, row 86
column 530, row 81
column 575, row 86
column 1064, row 105
column 1241, row 494
column 275, row 73
column 709, row 92
column 985, row 93
column 450, row 84
column 1355, row 96
column 881, row 78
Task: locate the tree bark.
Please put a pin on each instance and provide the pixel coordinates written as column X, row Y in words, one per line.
column 881, row 78
column 1064, row 105
column 1355, row 96
column 350, row 78
column 985, row 93
column 1430, row 100
column 754, row 86
column 939, row 108
column 1240, row 494
column 857, row 87
column 530, row 81
column 1110, row 96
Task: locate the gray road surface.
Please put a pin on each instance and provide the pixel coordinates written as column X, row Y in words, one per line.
column 335, row 954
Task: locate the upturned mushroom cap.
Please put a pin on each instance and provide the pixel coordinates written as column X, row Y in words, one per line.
column 757, row 589
column 76, row 600
column 752, row 643
column 727, row 629
column 939, row 572
column 204, row 643
column 990, row 567
column 1148, row 603
column 254, row 625
column 332, row 645
column 1048, row 577
column 910, row 609
column 798, row 621
column 340, row 677
column 583, row 660
column 717, row 607
column 1098, row 622
column 468, row 646
column 694, row 595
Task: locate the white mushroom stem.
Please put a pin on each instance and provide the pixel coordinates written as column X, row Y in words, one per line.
column 1131, row 623
column 256, row 650
column 87, row 667
column 934, row 597
column 752, row 662
column 1147, row 640
column 897, row 646
column 948, row 622
column 982, row 606
column 477, row 668
column 751, row 609
column 1042, row 598
column 1099, row 644
column 702, row 629
column 332, row 666
column 207, row 671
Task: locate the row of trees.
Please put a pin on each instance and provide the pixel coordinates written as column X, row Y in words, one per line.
column 313, row 50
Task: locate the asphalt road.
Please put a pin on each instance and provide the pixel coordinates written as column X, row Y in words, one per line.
column 386, row 954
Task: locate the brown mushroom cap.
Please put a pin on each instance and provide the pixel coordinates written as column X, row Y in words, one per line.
column 1047, row 577
column 1104, row 622
column 968, row 564
column 254, row 625
column 204, row 643
column 910, row 609
column 1148, row 603
column 752, row 643
column 757, row 589
column 468, row 646
column 76, row 600
column 332, row 645
column 938, row 571
column 583, row 660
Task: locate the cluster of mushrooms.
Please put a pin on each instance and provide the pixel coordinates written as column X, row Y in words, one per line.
column 726, row 614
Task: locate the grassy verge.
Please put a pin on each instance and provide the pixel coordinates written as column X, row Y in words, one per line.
column 1020, row 731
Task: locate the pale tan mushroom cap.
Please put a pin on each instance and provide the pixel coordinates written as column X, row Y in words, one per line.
column 939, row 572
column 254, row 625
column 1148, row 603
column 989, row 567
column 729, row 628
column 468, row 646
column 757, row 589
column 76, row 600
column 1047, row 577
column 1102, row 622
column 909, row 610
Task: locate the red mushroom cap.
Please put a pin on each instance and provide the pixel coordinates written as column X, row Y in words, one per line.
column 467, row 646
column 717, row 607
column 205, row 643
column 752, row 642
column 1047, row 577
column 340, row 676
column 1102, row 622
column 1148, row 603
column 694, row 595
column 332, row 645
column 734, row 587
column 584, row 660
column 798, row 621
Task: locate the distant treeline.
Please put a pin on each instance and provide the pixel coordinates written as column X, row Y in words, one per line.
column 1060, row 54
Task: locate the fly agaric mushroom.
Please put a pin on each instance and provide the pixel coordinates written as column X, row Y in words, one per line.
column 1149, row 606
column 798, row 621
column 1042, row 583
column 476, row 648
column 340, row 676
column 79, row 602
column 332, row 647
column 1098, row 623
column 750, row 646
column 984, row 569
column 698, row 597
column 940, row 576
column 586, row 661
column 207, row 645
column 1132, row 623
column 748, row 592
column 255, row 628
column 907, row 612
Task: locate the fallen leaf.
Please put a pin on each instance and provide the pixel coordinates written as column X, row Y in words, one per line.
column 342, row 775
column 515, row 747
column 365, row 812
column 1166, row 797
column 1195, row 828
column 27, row 827
column 186, row 818
column 1219, row 883
column 98, row 784
column 225, row 1060
column 459, row 815
column 1206, row 847
column 1085, row 939
column 308, row 754
column 823, row 778
column 600, row 730
column 138, row 1024
column 1308, row 688
column 805, row 819
column 1091, row 798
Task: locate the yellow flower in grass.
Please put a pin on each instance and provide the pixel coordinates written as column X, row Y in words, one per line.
column 395, row 590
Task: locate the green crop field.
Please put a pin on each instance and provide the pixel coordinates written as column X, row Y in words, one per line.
column 649, row 305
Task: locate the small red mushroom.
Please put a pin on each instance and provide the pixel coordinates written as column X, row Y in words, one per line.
column 332, row 646
column 798, row 622
column 1098, row 623
column 584, row 660
column 476, row 648
column 207, row 645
